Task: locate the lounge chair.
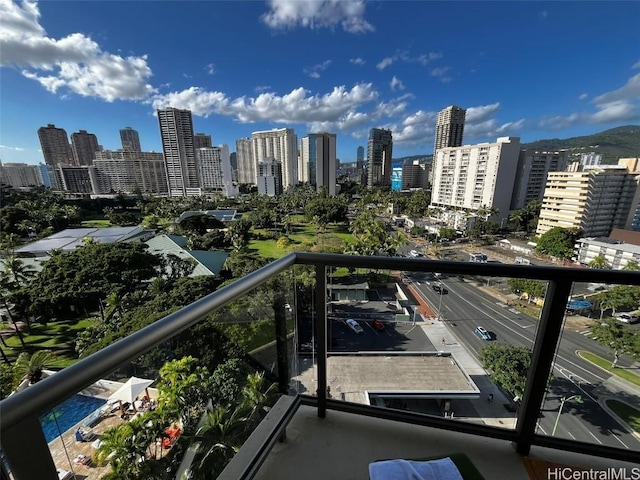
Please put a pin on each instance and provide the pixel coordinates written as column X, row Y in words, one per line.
column 82, row 436
column 94, row 418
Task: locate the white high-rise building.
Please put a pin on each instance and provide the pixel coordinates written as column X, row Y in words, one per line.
column 270, row 177
column 247, row 168
column 20, row 175
column 176, row 131
column 317, row 164
column 596, row 200
column 215, row 170
column 281, row 144
column 129, row 170
column 476, row 176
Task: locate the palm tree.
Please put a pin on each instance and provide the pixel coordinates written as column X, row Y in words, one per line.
column 257, row 397
column 31, row 366
column 599, row 262
column 518, row 217
column 631, row 266
column 220, row 438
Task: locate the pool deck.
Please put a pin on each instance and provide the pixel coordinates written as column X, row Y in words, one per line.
column 65, row 449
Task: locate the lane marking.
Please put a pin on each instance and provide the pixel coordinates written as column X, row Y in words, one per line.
column 616, row 437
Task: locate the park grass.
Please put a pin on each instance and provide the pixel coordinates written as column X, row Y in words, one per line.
column 96, row 223
column 56, row 335
column 606, row 365
column 630, row 415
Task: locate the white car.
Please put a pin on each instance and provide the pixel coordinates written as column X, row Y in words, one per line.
column 355, row 326
column 627, row 317
column 415, row 253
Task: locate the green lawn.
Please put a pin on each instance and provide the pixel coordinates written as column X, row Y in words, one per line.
column 303, row 237
column 606, row 365
column 630, row 415
column 96, row 223
column 58, row 336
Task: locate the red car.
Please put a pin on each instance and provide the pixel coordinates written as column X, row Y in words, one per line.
column 378, row 325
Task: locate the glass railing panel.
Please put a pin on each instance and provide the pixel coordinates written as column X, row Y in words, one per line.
column 594, row 393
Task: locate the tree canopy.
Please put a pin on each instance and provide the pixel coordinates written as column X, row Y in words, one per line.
column 558, row 242
column 508, row 364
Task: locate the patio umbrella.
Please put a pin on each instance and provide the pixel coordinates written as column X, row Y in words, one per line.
column 130, row 390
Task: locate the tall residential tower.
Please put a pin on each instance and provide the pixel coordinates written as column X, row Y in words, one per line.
column 176, row 131
column 55, row 145
column 282, row 145
column 318, row 161
column 449, row 130
column 84, row 146
column 130, row 139
column 379, row 154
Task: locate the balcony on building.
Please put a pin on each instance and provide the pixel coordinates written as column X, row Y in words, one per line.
column 343, row 409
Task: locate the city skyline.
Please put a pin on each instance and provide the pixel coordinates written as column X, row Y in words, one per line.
column 372, row 65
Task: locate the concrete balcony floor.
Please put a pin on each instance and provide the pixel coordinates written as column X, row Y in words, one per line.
column 342, row 445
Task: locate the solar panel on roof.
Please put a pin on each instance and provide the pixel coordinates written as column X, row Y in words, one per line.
column 73, row 233
column 113, row 231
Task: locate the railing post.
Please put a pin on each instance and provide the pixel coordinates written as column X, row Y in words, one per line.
column 26, row 449
column 544, row 350
column 321, row 338
column 280, row 320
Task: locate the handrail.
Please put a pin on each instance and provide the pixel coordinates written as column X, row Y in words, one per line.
column 55, row 389
column 23, row 407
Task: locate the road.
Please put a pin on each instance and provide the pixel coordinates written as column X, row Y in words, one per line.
column 465, row 307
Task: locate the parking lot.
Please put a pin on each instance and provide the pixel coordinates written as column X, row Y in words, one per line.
column 400, row 336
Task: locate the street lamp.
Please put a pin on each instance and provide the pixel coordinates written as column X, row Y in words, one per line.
column 578, row 399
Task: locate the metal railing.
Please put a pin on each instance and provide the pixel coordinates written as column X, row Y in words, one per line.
column 19, row 423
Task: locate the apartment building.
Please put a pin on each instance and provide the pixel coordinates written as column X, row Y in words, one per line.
column 130, row 139
column 202, row 140
column 531, row 175
column 84, row 146
column 449, row 130
column 215, row 169
column 270, row 177
column 247, row 169
column 130, row 170
column 281, row 145
column 176, row 132
column 55, row 145
column 20, row 175
column 379, row 158
column 595, row 200
column 473, row 176
column 317, row 164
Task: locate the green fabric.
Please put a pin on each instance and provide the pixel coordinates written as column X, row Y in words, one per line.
column 465, row 466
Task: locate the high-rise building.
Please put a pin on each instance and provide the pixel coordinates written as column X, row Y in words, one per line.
column 476, row 176
column 590, row 159
column 202, row 140
column 449, row 130
column 176, row 131
column 531, row 175
column 215, row 169
column 379, row 155
column 317, row 165
column 78, row 178
column 595, row 200
column 247, row 168
column 414, row 175
column 129, row 171
column 281, row 144
column 270, row 177
column 84, row 146
column 130, row 139
column 55, row 145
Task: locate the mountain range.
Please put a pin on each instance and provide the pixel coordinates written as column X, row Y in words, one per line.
column 615, row 143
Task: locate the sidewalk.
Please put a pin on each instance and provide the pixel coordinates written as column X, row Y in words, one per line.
column 492, row 413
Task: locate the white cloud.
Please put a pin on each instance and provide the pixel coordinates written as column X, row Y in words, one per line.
column 583, row 96
column 75, row 62
column 636, row 65
column 262, row 88
column 481, row 113
column 211, row 69
column 384, row 63
column 357, row 61
column 511, row 126
column 396, row 83
column 298, row 106
column 289, row 14
column 15, row 149
column 403, row 55
column 440, row 72
column 314, row 72
column 620, row 105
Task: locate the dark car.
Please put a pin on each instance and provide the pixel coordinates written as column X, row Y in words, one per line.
column 378, row 325
column 439, row 289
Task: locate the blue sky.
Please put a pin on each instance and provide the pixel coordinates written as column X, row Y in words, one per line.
column 529, row 69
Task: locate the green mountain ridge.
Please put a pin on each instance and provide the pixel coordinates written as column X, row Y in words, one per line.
column 615, row 143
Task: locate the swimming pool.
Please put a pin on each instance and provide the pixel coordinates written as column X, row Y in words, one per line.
column 68, row 414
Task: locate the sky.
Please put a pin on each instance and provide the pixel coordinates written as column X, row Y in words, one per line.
column 528, row 69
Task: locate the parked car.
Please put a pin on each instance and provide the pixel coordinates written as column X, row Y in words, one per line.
column 415, row 253
column 627, row 317
column 354, row 326
column 439, row 289
column 482, row 333
column 378, row 325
